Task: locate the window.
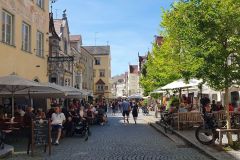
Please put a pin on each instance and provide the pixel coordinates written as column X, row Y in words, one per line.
column 97, row 61
column 40, row 50
column 100, row 88
column 7, row 28
column 40, row 3
column 106, row 87
column 67, row 82
column 25, row 37
column 102, row 73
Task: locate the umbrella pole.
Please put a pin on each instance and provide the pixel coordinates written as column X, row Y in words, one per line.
column 12, row 105
column 30, row 99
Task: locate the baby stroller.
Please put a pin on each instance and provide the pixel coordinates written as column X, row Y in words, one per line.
column 145, row 110
column 81, row 128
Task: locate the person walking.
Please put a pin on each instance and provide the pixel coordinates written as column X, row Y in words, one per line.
column 114, row 106
column 125, row 110
column 135, row 111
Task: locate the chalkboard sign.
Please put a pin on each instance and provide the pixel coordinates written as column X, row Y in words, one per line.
column 41, row 134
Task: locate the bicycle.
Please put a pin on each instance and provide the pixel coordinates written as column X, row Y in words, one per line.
column 207, row 134
column 167, row 121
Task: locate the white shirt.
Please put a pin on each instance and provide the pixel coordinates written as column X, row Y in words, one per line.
column 93, row 109
column 58, row 118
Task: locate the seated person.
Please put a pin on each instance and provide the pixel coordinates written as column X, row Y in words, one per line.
column 58, row 119
column 214, row 106
column 90, row 114
column 40, row 114
column 17, row 112
column 231, row 108
column 93, row 109
column 208, row 117
column 182, row 108
column 101, row 116
column 72, row 119
column 219, row 106
column 73, row 114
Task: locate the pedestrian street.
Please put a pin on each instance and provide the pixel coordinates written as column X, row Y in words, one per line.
column 116, row 140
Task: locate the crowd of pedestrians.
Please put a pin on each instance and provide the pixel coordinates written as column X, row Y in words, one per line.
column 127, row 107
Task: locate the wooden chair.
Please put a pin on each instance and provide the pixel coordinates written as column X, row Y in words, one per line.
column 188, row 118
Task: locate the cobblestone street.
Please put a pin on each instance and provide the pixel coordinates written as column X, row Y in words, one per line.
column 119, row 141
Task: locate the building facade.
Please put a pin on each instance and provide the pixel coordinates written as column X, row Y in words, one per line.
column 102, row 70
column 60, row 61
column 118, row 86
column 87, row 61
column 24, row 38
column 133, row 80
column 83, row 65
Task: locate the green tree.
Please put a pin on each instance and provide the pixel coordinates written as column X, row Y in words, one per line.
column 208, row 32
column 161, row 68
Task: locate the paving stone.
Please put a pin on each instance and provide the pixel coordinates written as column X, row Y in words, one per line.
column 118, row 141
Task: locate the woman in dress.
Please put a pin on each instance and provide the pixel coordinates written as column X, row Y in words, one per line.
column 135, row 111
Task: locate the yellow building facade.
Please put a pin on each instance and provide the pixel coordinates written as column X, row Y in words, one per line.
column 24, row 26
column 101, row 71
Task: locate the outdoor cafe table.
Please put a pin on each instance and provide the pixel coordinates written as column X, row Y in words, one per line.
column 11, row 125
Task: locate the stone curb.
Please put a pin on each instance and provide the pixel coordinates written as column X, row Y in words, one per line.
column 8, row 150
column 201, row 149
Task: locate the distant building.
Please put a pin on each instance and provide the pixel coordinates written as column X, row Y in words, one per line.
column 133, row 80
column 159, row 40
column 102, row 70
column 141, row 61
column 87, row 75
column 83, row 65
column 119, row 86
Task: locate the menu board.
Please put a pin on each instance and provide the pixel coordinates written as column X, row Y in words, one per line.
column 41, row 134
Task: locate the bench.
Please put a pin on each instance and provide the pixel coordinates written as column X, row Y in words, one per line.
column 188, row 117
column 225, row 130
column 221, row 115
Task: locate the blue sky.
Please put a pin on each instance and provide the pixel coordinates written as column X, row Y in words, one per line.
column 128, row 26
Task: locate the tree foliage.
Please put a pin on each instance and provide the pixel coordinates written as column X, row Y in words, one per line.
column 160, row 68
column 208, row 32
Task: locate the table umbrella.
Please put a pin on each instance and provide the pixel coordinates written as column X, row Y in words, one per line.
column 13, row 84
column 135, row 96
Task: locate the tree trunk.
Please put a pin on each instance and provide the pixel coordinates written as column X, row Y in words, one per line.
column 180, row 95
column 226, row 99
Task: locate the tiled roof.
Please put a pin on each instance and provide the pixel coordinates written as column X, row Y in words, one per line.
column 75, row 38
column 142, row 58
column 84, row 51
column 133, row 69
column 58, row 23
column 100, row 81
column 52, row 30
column 98, row 50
